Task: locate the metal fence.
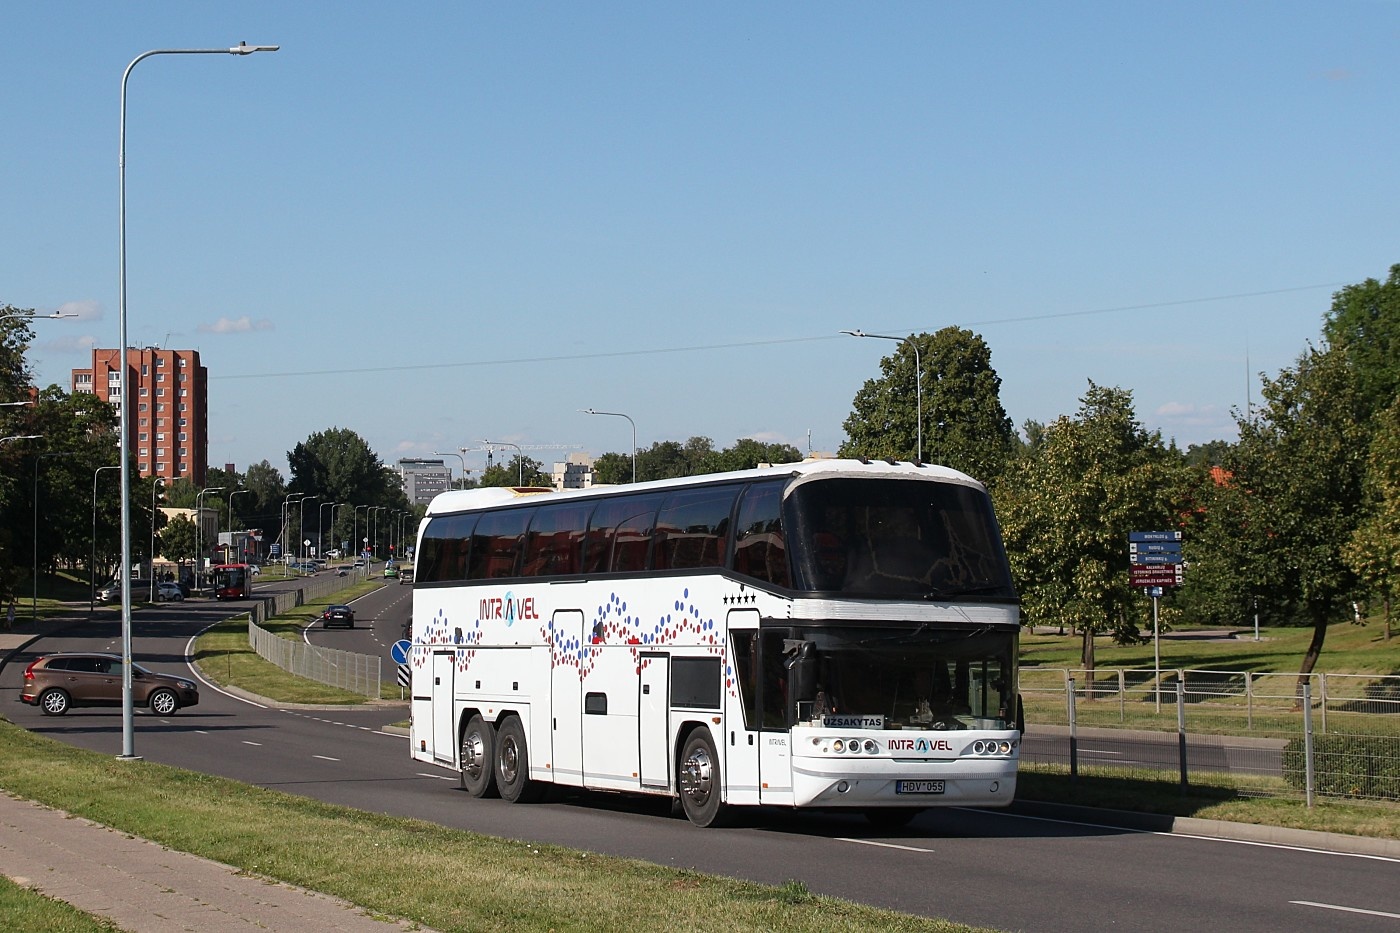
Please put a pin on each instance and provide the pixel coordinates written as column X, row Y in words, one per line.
column 357, row 673
column 1260, row 734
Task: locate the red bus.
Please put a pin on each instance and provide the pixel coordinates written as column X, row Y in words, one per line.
column 232, row 581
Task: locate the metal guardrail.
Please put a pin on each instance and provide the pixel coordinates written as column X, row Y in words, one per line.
column 1262, row 734
column 357, row 673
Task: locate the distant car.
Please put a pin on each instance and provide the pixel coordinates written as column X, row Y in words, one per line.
column 359, row 564
column 254, row 569
column 338, row 615
column 405, row 576
column 390, row 570
column 58, row 682
column 113, row 590
column 169, row 593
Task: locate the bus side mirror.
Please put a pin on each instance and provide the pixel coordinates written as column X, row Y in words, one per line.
column 802, row 670
column 1020, row 715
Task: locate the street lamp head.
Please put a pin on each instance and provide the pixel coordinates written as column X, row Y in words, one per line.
column 854, row 333
column 244, row 48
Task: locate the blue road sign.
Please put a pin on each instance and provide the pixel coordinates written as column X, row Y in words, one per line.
column 1155, row 591
column 400, row 649
column 1154, row 536
column 1155, row 558
column 1155, row 547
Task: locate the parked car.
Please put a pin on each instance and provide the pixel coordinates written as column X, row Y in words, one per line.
column 56, row 682
column 169, row 593
column 338, row 615
column 113, row 590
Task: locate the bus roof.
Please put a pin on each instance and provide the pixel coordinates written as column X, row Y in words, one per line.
column 466, row 500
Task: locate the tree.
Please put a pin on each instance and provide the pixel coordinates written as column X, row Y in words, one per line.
column 747, row 454
column 964, row 424
column 1299, row 465
column 612, row 469
column 338, row 466
column 1363, row 326
column 668, row 459
column 1067, row 510
column 177, row 540
column 515, row 472
column 1373, row 551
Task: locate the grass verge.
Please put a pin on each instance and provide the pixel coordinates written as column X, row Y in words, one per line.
column 31, row 911
column 444, row 878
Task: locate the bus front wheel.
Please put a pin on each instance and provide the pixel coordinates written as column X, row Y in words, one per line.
column 478, row 758
column 700, row 780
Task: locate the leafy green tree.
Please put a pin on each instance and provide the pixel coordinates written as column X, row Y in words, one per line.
column 747, row 454
column 1363, row 326
column 1067, row 509
column 338, row 466
column 668, row 459
column 964, row 424
column 1373, row 552
column 177, row 540
column 612, row 469
column 1299, row 464
column 516, row 471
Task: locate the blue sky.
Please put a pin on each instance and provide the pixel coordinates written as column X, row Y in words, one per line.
column 435, row 224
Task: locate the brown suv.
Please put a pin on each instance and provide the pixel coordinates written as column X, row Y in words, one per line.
column 58, row 681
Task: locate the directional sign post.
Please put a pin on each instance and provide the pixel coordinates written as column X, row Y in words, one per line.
column 400, row 650
column 1154, row 559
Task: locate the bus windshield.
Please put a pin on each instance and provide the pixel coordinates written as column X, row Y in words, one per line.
column 883, row 677
column 875, row 537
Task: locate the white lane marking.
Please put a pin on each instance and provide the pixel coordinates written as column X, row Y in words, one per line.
column 1350, row 910
column 258, row 744
column 1195, row 836
column 436, row 777
column 1100, row 751
column 200, row 732
column 194, row 671
column 882, row 845
column 325, row 757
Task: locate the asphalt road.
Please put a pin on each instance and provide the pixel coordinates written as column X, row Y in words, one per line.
column 986, row 868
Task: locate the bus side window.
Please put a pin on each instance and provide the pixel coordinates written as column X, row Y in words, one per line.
column 759, row 550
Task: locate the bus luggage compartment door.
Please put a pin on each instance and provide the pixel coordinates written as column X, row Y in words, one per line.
column 444, row 707
column 653, row 720
column 566, row 713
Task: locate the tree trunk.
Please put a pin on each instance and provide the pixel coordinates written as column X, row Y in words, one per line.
column 1311, row 655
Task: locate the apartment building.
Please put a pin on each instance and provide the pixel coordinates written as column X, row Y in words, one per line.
column 168, row 395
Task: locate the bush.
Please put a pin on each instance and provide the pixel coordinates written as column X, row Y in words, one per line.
column 1347, row 766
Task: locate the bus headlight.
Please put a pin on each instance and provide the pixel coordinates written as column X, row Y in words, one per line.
column 838, row 746
column 870, row 747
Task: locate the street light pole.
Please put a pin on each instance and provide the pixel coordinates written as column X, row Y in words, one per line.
column 199, row 530
column 301, row 524
column 918, row 382
column 355, row 528
column 519, row 459
column 618, row 414
column 459, row 457
column 128, row 716
column 156, row 483
column 333, row 508
column 92, row 557
column 236, row 492
column 320, row 527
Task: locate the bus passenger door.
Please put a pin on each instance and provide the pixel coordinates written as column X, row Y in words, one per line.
column 653, row 720
column 444, row 707
column 566, row 692
column 741, row 735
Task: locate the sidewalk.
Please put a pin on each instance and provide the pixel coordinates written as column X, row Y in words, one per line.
column 147, row 888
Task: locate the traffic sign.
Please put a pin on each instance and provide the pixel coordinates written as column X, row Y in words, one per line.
column 1142, row 536
column 1154, row 547
column 1155, row 575
column 400, row 650
column 1134, row 558
column 405, row 676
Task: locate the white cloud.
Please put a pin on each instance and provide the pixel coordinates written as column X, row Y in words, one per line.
column 241, row 325
column 84, row 344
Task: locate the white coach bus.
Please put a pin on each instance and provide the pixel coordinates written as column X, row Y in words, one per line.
column 834, row 633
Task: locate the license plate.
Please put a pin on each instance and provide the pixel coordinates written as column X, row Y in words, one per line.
column 918, row 787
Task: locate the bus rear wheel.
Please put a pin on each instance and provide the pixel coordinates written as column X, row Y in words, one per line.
column 699, row 780
column 478, row 752
column 513, row 765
